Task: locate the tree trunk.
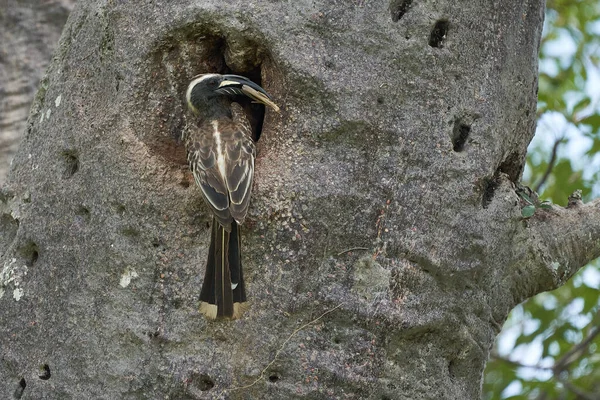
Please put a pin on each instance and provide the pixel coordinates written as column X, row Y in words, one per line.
column 384, row 244
column 29, row 30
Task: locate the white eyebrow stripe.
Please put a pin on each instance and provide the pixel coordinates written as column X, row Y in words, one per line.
column 193, row 83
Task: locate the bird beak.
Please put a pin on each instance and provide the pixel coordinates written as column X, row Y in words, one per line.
column 238, row 85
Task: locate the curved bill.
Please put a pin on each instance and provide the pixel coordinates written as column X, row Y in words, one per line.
column 239, row 85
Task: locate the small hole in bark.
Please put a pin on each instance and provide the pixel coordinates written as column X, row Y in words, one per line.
column 83, row 213
column 177, row 303
column 451, row 369
column 489, row 187
column 34, row 257
column 130, row 231
column 384, row 397
column 398, row 8
column 18, row 393
column 460, row 134
column 438, row 33
column 120, row 209
column 512, row 166
column 380, row 100
column 184, row 183
column 274, row 377
column 206, row 383
column 118, row 83
column 45, row 372
column 71, row 163
column 30, row 253
column 337, row 340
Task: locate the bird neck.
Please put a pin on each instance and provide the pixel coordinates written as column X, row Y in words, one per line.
column 216, row 108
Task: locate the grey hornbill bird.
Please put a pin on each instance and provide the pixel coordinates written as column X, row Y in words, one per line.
column 221, row 153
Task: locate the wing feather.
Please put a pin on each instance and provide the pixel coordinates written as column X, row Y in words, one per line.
column 240, row 171
column 228, row 196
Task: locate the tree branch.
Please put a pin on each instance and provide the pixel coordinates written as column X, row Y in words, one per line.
column 579, row 392
column 562, row 240
column 562, row 364
column 575, row 353
column 517, row 364
column 550, row 165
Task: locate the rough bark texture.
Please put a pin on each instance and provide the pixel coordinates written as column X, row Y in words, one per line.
column 384, row 193
column 29, row 30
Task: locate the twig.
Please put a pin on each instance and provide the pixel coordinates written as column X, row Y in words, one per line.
column 352, row 249
column 571, row 356
column 550, row 165
column 563, row 363
column 496, row 356
column 262, row 373
column 580, row 393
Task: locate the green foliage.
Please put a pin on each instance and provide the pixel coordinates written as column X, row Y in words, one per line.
column 532, row 205
column 550, row 345
column 528, row 211
column 540, row 335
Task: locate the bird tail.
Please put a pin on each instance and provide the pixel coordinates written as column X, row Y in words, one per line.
column 223, row 292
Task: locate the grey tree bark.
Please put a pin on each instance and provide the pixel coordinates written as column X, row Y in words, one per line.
column 384, row 245
column 29, row 30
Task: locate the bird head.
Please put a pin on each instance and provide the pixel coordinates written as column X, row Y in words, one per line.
column 206, row 89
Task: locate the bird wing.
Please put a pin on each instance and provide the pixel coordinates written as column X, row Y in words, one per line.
column 240, row 167
column 228, row 194
column 202, row 158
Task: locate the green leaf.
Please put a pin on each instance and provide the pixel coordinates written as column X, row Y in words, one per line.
column 528, row 211
column 595, row 147
column 525, row 197
column 591, row 298
column 592, row 120
column 584, row 103
column 545, row 205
